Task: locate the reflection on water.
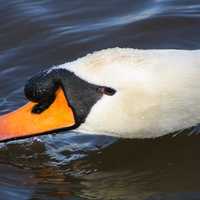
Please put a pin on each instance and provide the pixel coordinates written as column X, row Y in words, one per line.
column 37, row 34
column 129, row 169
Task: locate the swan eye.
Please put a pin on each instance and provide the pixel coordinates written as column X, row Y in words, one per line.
column 106, row 90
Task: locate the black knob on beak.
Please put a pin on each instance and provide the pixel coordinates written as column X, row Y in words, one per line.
column 41, row 89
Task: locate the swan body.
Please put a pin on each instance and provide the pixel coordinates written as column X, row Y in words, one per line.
column 158, row 91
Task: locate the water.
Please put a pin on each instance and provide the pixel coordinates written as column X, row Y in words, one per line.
column 35, row 35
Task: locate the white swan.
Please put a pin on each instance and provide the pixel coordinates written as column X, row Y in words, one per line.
column 157, row 91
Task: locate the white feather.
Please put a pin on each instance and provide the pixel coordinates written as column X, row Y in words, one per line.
column 158, row 91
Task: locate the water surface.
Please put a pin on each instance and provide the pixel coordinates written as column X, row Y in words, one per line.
column 35, row 35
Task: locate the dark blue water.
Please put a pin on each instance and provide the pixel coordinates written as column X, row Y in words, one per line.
column 35, row 35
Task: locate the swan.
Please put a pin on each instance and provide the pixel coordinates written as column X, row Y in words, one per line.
column 121, row 92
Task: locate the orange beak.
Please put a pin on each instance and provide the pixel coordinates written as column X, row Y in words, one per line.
column 23, row 123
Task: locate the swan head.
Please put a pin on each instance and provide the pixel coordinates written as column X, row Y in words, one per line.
column 120, row 92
